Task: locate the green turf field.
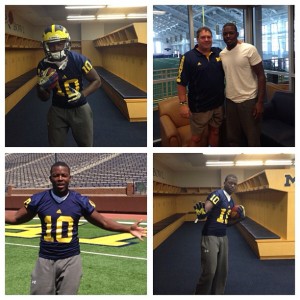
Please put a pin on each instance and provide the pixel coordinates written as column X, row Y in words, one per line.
column 113, row 263
column 165, row 71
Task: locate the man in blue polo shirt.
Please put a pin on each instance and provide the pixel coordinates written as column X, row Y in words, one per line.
column 201, row 71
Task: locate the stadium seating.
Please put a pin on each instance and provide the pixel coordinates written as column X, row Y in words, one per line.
column 31, row 170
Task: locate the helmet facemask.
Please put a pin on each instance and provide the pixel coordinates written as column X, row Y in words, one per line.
column 56, row 34
column 57, row 56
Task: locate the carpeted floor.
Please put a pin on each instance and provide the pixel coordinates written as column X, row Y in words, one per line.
column 176, row 266
column 25, row 124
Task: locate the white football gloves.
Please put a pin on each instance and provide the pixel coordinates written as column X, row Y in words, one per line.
column 75, row 96
column 48, row 78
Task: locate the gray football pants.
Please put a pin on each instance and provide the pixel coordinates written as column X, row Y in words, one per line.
column 214, row 265
column 79, row 119
column 56, row 277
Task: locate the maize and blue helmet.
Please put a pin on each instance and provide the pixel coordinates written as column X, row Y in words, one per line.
column 54, row 34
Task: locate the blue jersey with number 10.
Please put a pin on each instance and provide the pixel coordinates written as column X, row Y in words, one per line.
column 59, row 237
column 217, row 219
column 69, row 78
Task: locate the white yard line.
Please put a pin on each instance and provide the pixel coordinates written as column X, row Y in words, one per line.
column 86, row 252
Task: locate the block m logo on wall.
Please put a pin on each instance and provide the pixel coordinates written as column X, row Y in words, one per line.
column 289, row 180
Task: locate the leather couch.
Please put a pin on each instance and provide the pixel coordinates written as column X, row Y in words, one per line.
column 278, row 124
column 175, row 131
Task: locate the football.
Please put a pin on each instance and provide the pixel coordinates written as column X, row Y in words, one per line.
column 234, row 214
column 48, row 78
column 50, row 71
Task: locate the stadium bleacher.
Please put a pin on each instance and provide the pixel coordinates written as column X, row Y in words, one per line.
column 31, row 170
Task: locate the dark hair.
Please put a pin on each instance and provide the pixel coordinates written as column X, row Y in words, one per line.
column 230, row 24
column 230, row 176
column 60, row 164
column 204, row 28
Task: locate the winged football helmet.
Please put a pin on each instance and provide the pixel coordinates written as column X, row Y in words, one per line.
column 56, row 34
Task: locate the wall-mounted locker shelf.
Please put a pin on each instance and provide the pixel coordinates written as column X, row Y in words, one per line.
column 131, row 34
column 269, row 200
column 13, row 41
column 163, row 188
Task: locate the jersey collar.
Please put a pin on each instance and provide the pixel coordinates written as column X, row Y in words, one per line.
column 58, row 199
column 227, row 195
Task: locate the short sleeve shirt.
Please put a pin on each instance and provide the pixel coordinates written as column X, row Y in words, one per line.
column 204, row 77
column 59, row 221
column 216, row 223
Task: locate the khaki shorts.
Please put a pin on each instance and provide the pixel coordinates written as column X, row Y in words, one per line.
column 199, row 121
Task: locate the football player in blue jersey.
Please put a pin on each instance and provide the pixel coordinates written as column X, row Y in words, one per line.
column 58, row 269
column 61, row 74
column 214, row 242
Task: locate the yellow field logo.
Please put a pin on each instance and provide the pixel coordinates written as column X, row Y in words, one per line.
column 34, row 231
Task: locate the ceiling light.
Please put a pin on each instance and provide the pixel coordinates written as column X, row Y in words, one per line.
column 111, row 17
column 123, row 6
column 159, row 12
column 271, row 162
column 219, row 163
column 85, row 6
column 137, row 16
column 249, row 163
column 87, row 17
column 207, row 152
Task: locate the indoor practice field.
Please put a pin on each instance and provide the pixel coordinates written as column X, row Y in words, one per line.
column 113, row 263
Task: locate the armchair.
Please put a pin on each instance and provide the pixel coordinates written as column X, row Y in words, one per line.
column 175, row 130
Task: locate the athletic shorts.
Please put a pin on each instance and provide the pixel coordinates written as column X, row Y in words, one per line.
column 199, row 121
column 56, row 277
